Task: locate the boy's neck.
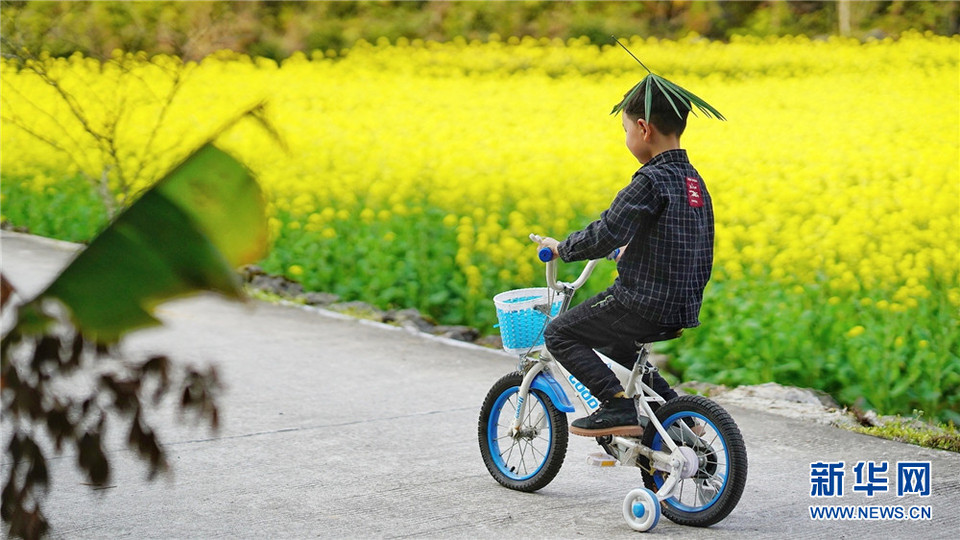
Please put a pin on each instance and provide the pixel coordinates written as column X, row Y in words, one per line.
column 663, row 144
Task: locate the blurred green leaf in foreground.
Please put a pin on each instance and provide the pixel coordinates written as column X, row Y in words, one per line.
column 187, row 233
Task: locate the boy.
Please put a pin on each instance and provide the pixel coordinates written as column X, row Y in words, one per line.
column 664, row 217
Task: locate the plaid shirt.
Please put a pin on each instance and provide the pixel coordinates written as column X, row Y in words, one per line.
column 666, row 216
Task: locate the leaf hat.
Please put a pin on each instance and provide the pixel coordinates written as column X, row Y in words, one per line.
column 676, row 95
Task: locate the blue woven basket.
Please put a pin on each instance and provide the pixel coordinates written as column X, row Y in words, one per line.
column 521, row 326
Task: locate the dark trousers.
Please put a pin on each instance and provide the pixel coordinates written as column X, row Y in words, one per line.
column 604, row 324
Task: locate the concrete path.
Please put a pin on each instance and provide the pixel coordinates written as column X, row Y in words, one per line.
column 337, row 428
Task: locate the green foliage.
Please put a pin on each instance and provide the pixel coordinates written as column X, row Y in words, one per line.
column 755, row 331
column 277, row 29
column 68, row 209
column 943, row 436
column 204, row 218
column 63, row 380
column 402, row 261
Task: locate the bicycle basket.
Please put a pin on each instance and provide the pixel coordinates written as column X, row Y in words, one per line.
column 521, row 325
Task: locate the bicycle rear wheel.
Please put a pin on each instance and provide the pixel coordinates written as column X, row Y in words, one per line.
column 714, row 489
column 531, row 458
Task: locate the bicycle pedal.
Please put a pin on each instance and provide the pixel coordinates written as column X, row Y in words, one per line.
column 601, row 459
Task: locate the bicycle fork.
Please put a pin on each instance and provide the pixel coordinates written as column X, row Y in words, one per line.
column 538, row 379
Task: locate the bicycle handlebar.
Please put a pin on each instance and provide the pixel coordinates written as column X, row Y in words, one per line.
column 546, row 255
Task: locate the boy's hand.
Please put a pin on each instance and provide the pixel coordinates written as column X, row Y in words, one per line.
column 548, row 242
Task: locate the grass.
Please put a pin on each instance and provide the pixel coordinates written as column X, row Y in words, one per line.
column 916, row 431
column 912, row 429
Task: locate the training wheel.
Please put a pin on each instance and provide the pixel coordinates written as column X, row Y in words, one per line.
column 641, row 509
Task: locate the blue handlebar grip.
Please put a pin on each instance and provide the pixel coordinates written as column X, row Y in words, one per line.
column 545, row 254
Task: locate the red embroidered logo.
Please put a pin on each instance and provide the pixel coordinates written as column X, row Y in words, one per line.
column 694, row 196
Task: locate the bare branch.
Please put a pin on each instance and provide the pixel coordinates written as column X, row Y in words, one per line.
column 177, row 85
column 23, row 125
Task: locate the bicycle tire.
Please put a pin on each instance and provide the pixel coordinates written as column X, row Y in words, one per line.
column 715, row 488
column 532, row 459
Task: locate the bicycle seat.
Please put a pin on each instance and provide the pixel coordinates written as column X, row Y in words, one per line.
column 661, row 336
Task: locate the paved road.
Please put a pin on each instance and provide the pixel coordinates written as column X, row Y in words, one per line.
column 336, row 428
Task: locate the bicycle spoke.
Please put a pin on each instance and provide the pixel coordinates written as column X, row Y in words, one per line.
column 714, row 439
column 534, row 450
column 504, row 431
column 541, row 418
column 703, row 498
column 529, row 413
column 523, row 456
column 708, row 455
column 712, row 452
column 517, row 468
column 508, row 426
column 506, row 459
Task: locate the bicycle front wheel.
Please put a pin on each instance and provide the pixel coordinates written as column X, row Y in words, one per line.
column 711, row 492
column 529, row 458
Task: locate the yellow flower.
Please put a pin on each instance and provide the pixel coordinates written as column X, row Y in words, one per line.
column 855, row 331
column 787, row 216
column 295, row 270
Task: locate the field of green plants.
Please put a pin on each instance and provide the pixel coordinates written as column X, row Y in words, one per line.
column 411, row 173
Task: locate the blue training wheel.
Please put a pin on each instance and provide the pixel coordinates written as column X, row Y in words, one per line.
column 641, row 509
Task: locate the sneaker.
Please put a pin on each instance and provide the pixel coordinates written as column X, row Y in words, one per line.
column 617, row 416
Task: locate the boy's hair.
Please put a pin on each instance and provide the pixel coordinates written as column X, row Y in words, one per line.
column 662, row 114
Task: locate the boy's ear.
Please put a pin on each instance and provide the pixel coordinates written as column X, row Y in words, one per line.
column 646, row 129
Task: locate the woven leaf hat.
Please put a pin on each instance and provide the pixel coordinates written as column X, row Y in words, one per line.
column 678, row 96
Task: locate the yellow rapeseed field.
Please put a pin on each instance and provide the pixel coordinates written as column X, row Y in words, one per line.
column 413, row 173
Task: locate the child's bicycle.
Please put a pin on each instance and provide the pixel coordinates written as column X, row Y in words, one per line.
column 691, row 454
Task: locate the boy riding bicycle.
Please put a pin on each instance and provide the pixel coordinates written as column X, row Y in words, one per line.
column 663, row 219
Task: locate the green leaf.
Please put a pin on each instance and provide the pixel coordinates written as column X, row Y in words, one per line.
column 187, row 233
column 690, row 97
column 221, row 196
column 647, row 99
column 667, row 87
column 663, row 86
column 620, row 106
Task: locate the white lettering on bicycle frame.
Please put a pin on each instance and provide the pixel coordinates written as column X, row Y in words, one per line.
column 584, row 393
